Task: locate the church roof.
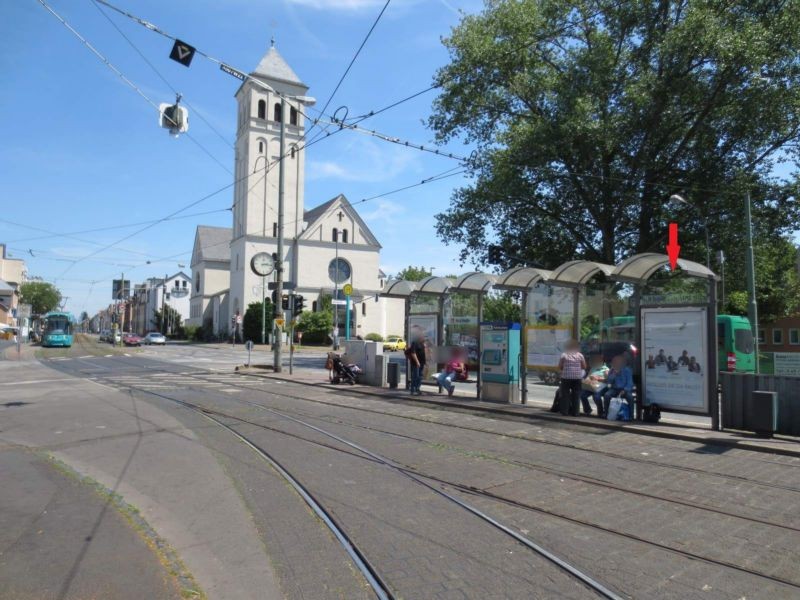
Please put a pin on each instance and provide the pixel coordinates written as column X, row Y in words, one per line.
column 318, row 212
column 273, row 66
column 315, row 213
column 212, row 243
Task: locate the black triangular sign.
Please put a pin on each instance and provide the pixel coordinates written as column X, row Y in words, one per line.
column 182, row 53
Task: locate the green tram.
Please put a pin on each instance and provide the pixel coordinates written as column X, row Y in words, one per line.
column 58, row 328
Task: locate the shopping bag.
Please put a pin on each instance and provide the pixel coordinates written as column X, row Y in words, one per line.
column 624, row 411
column 614, row 408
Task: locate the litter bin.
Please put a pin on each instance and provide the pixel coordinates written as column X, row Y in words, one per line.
column 392, row 374
column 761, row 413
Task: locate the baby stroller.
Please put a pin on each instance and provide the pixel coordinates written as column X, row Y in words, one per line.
column 340, row 372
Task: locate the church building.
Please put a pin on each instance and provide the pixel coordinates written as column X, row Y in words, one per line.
column 325, row 247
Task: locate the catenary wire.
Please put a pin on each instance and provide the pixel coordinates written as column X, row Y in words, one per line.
column 122, row 76
column 159, row 74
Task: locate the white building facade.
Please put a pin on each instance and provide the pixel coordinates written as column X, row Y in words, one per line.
column 313, row 239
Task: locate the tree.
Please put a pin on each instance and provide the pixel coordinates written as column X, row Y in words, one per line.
column 168, row 320
column 251, row 322
column 84, row 316
column 501, row 308
column 411, row 273
column 587, row 115
column 42, row 296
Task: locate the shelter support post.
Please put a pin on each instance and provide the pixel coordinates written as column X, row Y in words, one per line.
column 480, row 350
column 636, row 298
column 406, row 332
column 711, row 356
column 523, row 355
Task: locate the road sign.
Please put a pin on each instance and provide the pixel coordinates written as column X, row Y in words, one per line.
column 338, row 302
column 347, row 289
column 287, row 285
column 182, row 53
column 24, row 311
column 279, row 322
column 232, row 71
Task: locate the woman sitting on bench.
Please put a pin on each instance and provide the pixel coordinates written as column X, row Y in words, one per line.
column 454, row 370
column 620, row 382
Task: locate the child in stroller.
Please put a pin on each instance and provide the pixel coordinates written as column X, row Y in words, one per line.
column 339, row 372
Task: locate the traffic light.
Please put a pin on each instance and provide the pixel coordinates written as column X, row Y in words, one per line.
column 285, row 302
column 274, row 297
column 174, row 117
column 299, row 305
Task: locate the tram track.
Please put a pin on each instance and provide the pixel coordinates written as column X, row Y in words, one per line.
column 416, row 474
column 461, row 487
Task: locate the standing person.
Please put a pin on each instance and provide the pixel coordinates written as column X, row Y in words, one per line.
column 572, row 365
column 416, row 356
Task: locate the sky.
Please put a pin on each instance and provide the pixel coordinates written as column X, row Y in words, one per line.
column 83, row 151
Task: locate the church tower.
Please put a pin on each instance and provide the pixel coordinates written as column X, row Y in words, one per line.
column 255, row 206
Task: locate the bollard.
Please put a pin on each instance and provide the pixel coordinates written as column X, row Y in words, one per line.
column 249, row 346
column 393, row 374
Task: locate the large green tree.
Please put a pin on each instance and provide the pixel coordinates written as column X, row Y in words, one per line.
column 42, row 296
column 251, row 323
column 587, row 115
column 412, row 273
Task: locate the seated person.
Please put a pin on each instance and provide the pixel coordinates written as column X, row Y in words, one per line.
column 454, row 370
column 620, row 382
column 593, row 383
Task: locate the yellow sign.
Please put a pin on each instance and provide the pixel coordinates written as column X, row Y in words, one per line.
column 279, row 322
column 347, row 289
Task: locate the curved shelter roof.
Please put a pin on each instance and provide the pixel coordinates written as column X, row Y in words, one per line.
column 578, row 272
column 521, row 279
column 474, row 281
column 399, row 288
column 434, row 285
column 640, row 267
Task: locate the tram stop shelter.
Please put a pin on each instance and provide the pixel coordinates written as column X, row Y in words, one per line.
column 664, row 322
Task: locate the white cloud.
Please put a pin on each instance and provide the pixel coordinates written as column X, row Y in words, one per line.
column 382, row 209
column 367, row 161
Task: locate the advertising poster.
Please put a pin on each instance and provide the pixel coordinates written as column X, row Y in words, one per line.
column 673, row 358
column 545, row 345
column 787, row 363
column 427, row 326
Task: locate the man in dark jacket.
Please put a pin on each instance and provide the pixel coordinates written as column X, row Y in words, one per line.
column 416, row 358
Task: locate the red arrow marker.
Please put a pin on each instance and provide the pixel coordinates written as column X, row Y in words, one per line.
column 673, row 249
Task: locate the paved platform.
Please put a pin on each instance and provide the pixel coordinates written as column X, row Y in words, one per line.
column 466, row 402
column 60, row 539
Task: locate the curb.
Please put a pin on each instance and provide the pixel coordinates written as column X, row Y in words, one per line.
column 460, row 406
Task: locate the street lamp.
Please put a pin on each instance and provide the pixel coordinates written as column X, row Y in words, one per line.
column 682, row 200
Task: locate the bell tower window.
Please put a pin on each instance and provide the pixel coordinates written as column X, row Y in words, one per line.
column 262, row 109
column 261, row 147
column 292, row 116
column 276, row 112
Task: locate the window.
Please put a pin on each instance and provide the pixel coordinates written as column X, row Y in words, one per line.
column 261, row 147
column 335, row 235
column 276, row 113
column 777, row 337
column 274, row 230
column 293, row 151
column 743, row 341
column 314, row 306
column 762, row 336
column 363, row 309
column 794, row 337
column 292, row 116
column 184, row 285
column 262, row 109
column 344, row 236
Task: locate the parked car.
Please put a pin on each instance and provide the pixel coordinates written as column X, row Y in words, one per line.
column 104, row 335
column 394, row 343
column 154, row 337
column 131, row 339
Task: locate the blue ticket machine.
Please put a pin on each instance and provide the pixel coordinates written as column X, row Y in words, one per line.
column 500, row 362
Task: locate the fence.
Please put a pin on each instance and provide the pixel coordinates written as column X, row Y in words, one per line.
column 737, row 388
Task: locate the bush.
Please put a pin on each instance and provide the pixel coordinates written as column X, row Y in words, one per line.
column 316, row 326
column 190, row 332
column 251, row 323
column 374, row 337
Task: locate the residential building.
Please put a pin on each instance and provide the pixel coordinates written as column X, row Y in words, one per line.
column 782, row 335
column 12, row 275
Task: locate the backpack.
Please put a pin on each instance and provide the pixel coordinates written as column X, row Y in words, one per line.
column 651, row 413
column 556, row 401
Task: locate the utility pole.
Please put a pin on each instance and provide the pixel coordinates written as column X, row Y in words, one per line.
column 336, row 295
column 163, row 305
column 752, row 305
column 277, row 367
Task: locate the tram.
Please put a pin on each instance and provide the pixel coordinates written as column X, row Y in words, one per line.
column 58, row 328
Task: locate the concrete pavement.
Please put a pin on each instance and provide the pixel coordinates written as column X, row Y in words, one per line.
column 151, row 460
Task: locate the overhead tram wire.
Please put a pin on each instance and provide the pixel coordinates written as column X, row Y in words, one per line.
column 353, row 60
column 122, row 76
column 160, row 75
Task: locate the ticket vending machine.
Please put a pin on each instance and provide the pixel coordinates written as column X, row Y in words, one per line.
column 500, row 362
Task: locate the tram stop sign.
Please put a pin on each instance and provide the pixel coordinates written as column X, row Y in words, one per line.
column 182, row 53
column 348, row 289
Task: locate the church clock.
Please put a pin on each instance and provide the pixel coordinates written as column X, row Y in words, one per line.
column 262, row 264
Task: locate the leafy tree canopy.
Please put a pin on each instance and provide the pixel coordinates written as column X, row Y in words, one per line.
column 587, row 115
column 412, row 273
column 42, row 296
column 251, row 322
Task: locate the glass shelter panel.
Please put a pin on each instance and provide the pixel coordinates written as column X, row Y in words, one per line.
column 607, row 321
column 461, row 328
column 550, row 324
